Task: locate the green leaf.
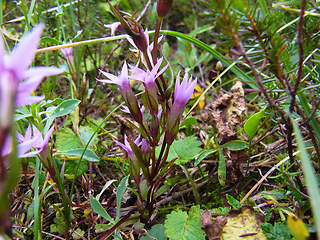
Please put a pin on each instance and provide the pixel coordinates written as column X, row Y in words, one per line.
column 185, row 149
column 65, row 108
column 222, row 169
column 99, row 209
column 309, row 176
column 67, row 140
column 233, row 202
column 120, row 192
column 279, row 231
column 183, row 226
column 88, row 155
column 86, row 133
column 236, row 145
column 156, row 232
column 62, row 109
column 50, row 40
column 190, row 121
column 251, row 125
column 104, row 188
column 203, row 155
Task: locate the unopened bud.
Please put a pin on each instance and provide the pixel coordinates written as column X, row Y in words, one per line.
column 219, row 66
column 139, row 38
column 163, row 7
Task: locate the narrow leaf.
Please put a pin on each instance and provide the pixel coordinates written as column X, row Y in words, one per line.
column 203, row 155
column 222, row 169
column 120, row 192
column 99, row 209
column 236, row 145
column 309, row 176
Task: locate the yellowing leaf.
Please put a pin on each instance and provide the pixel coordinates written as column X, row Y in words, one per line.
column 197, row 93
column 86, row 212
column 297, row 228
column 243, row 223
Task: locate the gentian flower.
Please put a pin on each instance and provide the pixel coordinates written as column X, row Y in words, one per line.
column 149, row 80
column 22, row 147
column 126, row 146
column 126, row 109
column 126, row 91
column 17, row 80
column 134, row 162
column 182, row 94
column 113, row 27
column 41, row 142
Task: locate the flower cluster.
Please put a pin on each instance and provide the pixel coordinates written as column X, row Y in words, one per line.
column 164, row 108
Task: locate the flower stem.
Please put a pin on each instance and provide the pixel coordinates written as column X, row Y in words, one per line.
column 155, row 40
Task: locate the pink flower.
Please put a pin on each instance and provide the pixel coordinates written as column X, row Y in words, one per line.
column 182, row 93
column 126, row 91
column 17, row 79
column 149, row 77
column 126, row 146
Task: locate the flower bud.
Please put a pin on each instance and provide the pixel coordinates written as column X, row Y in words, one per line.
column 219, row 66
column 163, row 7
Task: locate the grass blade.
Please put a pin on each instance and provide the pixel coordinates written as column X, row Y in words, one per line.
column 309, row 176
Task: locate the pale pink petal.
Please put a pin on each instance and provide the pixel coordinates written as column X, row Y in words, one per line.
column 23, row 55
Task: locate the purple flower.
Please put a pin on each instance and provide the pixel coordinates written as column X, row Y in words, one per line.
column 126, row 146
column 113, row 27
column 25, row 144
column 126, row 109
column 149, row 77
column 145, row 147
column 40, row 142
column 67, row 51
column 17, row 80
column 126, row 91
column 182, row 94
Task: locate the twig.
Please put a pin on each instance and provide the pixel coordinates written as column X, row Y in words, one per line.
column 265, row 177
column 293, row 92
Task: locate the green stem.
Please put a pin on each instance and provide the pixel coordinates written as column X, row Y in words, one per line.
column 193, row 185
column 249, row 156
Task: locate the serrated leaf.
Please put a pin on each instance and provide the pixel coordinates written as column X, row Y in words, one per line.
column 251, row 125
column 183, row 226
column 203, row 155
column 98, row 208
column 67, row 140
column 185, row 149
column 156, row 232
column 236, row 145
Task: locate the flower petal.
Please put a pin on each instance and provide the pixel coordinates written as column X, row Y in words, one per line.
column 22, row 55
